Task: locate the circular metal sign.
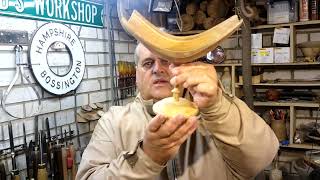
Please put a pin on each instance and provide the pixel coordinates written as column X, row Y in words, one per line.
column 47, row 35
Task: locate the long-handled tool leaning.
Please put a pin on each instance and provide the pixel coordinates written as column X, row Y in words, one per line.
column 71, row 152
column 14, row 172
column 50, row 154
column 27, row 154
column 42, row 167
column 3, row 173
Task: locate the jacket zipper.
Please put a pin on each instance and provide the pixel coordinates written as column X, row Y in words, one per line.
column 174, row 169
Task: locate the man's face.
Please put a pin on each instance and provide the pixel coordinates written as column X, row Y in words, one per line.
column 152, row 75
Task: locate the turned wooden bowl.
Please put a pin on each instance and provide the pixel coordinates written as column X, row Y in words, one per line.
column 170, row 107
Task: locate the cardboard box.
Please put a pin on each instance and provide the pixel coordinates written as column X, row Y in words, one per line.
column 279, row 12
column 254, row 56
column 262, row 55
column 282, row 55
column 256, row 40
column 266, row 55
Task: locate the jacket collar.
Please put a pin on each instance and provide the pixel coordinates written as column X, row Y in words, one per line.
column 147, row 104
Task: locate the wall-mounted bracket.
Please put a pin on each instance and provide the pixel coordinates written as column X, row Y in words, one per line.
column 9, row 37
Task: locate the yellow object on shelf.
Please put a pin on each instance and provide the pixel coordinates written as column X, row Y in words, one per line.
column 255, row 79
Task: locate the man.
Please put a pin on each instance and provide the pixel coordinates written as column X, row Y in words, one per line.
column 228, row 141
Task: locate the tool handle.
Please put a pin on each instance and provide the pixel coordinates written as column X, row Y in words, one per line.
column 16, row 177
column 42, row 172
column 35, row 162
column 73, row 155
column 2, row 171
column 36, row 131
column 50, row 157
column 58, row 169
column 64, row 163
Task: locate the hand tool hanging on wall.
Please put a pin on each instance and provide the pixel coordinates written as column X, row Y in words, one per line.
column 44, row 144
column 30, row 164
column 77, row 125
column 3, row 174
column 57, row 156
column 42, row 168
column 2, row 167
column 34, row 149
column 20, row 64
column 71, row 163
column 14, row 172
column 50, row 154
column 27, row 153
column 64, row 155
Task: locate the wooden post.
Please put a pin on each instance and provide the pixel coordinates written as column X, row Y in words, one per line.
column 246, row 60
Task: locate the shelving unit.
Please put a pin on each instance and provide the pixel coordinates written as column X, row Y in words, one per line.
column 287, row 104
column 302, row 146
column 291, row 106
column 302, row 23
column 282, row 84
column 273, row 64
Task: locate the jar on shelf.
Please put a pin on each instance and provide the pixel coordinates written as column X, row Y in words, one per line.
column 226, row 80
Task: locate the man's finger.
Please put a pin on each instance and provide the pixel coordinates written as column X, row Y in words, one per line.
column 188, row 67
column 156, row 122
column 170, row 126
column 179, row 133
column 181, row 136
column 206, row 88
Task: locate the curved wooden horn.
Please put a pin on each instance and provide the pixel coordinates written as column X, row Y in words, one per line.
column 178, row 49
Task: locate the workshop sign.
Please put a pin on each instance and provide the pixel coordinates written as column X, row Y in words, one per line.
column 47, row 35
column 78, row 12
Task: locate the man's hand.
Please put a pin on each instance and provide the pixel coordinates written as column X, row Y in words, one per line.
column 200, row 79
column 164, row 136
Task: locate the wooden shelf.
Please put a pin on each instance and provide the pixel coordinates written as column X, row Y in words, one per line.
column 288, row 64
column 274, row 64
column 226, row 65
column 297, row 84
column 267, row 26
column 304, row 23
column 301, row 146
column 288, row 104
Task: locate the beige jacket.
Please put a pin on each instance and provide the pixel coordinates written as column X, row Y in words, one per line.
column 232, row 142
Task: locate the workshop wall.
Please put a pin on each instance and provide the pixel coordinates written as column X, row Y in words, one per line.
column 95, row 86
